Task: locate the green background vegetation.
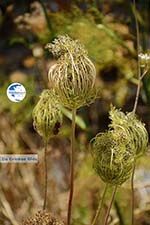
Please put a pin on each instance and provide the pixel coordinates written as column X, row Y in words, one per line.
column 107, row 29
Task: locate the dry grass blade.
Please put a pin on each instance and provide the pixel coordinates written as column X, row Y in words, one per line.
column 7, row 208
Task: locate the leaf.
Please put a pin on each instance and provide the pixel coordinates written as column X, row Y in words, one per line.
column 138, row 15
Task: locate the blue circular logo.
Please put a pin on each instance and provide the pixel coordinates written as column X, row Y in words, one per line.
column 16, row 92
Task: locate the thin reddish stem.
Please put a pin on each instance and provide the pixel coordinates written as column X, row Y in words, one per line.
column 71, row 168
column 109, row 208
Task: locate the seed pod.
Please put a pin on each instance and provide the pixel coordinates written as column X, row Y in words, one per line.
column 112, row 157
column 134, row 129
column 73, row 76
column 47, row 116
column 42, row 218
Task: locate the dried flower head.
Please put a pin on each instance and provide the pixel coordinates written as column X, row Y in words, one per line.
column 43, row 218
column 134, row 129
column 47, row 116
column 73, row 76
column 112, row 157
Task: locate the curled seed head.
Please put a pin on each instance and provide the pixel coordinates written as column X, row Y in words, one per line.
column 42, row 218
column 73, row 76
column 112, row 157
column 134, row 129
column 47, row 116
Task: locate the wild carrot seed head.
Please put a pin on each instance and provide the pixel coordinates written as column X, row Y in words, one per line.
column 133, row 127
column 42, row 218
column 73, row 76
column 47, row 116
column 112, row 157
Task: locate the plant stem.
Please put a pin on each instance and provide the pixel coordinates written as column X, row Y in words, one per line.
column 132, row 190
column 119, row 213
column 71, row 167
column 137, row 96
column 109, row 208
column 45, row 175
column 136, row 99
column 46, row 16
column 99, row 209
column 140, row 76
column 138, row 89
column 138, row 52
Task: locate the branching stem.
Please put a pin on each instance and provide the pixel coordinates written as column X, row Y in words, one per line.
column 71, row 167
column 136, row 99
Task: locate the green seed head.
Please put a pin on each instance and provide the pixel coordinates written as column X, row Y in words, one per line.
column 47, row 116
column 73, row 76
column 133, row 127
column 112, row 157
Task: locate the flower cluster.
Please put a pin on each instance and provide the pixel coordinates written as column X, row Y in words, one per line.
column 144, row 59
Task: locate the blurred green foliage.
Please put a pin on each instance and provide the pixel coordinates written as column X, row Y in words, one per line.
column 19, row 112
column 107, row 30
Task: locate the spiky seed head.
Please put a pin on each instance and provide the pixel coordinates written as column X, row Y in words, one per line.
column 47, row 116
column 112, row 157
column 73, row 76
column 133, row 127
column 42, row 218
